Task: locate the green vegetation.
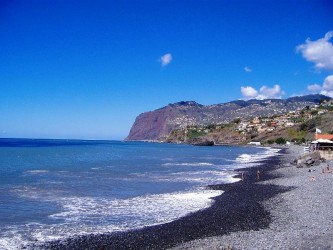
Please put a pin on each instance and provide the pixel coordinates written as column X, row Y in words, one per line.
column 329, row 108
column 270, row 141
column 297, row 136
column 310, row 124
column 195, row 133
column 280, row 140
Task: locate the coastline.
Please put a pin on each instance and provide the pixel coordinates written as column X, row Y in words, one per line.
column 239, row 208
column 301, row 217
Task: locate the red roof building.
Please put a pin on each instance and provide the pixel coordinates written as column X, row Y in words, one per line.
column 324, row 136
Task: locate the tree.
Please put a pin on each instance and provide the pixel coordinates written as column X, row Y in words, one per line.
column 237, row 120
column 321, row 101
column 270, row 141
column 314, row 112
column 280, row 140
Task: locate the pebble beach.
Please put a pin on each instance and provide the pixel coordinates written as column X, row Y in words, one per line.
column 301, row 218
column 287, row 208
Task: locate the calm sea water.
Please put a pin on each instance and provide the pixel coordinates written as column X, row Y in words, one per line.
column 53, row 189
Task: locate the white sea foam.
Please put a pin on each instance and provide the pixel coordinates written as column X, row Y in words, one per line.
column 12, row 240
column 254, row 159
column 37, row 171
column 200, row 177
column 188, row 164
column 86, row 215
column 156, row 208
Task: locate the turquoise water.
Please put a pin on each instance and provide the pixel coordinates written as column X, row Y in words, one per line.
column 52, row 189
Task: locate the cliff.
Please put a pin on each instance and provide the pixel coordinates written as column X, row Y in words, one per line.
column 157, row 125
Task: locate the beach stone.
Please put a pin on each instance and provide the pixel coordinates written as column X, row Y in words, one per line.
column 302, row 218
column 309, row 161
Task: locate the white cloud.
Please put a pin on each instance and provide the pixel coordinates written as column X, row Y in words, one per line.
column 320, row 52
column 325, row 89
column 274, row 92
column 314, row 88
column 328, row 83
column 327, row 93
column 249, row 92
column 328, row 86
column 247, row 69
column 264, row 92
column 165, row 59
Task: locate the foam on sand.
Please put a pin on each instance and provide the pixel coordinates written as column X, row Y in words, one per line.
column 254, row 159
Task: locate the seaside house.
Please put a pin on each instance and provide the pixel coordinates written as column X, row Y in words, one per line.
column 324, row 136
column 324, row 144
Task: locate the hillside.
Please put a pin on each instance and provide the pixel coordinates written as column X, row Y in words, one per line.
column 157, row 125
column 297, row 127
column 324, row 122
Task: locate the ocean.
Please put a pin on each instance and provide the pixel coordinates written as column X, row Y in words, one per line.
column 54, row 189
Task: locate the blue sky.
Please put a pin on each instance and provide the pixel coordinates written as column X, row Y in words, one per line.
column 86, row 69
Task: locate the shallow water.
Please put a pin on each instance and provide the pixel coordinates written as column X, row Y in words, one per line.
column 52, row 189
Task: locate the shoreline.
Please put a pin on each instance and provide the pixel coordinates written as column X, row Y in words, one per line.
column 301, row 217
column 239, row 208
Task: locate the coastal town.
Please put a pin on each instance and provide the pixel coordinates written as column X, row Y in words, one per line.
column 296, row 126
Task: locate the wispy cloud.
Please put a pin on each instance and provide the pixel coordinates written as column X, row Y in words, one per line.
column 264, row 92
column 320, row 52
column 314, row 88
column 247, row 69
column 325, row 89
column 165, row 59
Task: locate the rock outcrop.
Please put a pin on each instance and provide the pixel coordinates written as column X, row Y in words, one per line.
column 308, row 160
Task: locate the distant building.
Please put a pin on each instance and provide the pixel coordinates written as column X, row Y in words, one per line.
column 257, row 143
column 273, row 124
column 324, row 136
column 290, row 124
column 324, row 144
column 256, row 120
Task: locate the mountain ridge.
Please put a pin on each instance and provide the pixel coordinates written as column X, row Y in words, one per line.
column 157, row 124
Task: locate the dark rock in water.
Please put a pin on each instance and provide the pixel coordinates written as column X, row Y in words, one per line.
column 204, row 143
